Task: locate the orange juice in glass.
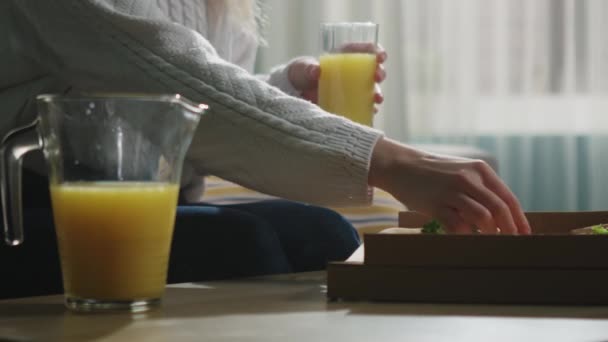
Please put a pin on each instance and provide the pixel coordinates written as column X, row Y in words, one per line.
column 114, row 163
column 348, row 64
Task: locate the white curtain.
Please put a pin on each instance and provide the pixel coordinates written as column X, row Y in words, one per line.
column 526, row 80
column 505, row 66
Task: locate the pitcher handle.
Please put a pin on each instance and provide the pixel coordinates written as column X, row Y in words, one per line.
column 15, row 145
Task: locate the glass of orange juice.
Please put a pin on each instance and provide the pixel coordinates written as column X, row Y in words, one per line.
column 114, row 165
column 348, row 64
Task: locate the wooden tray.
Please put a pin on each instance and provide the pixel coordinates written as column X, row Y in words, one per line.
column 550, row 267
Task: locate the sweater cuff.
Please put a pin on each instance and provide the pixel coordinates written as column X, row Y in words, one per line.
column 279, row 77
column 359, row 145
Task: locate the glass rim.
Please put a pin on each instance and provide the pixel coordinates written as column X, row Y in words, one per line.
column 197, row 108
column 349, row 24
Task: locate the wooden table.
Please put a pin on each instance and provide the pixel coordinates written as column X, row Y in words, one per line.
column 294, row 308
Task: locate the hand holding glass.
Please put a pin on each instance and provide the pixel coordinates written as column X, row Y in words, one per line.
column 348, row 65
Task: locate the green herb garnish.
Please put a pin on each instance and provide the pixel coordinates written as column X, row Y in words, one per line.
column 433, row 227
column 599, row 229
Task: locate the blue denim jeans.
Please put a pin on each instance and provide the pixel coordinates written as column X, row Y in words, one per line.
column 209, row 242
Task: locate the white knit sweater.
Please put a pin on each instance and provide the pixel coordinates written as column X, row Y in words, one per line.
column 254, row 134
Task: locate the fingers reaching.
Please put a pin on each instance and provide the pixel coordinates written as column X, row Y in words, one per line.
column 495, row 184
column 476, row 214
column 465, row 195
column 499, row 210
column 482, row 184
column 453, row 222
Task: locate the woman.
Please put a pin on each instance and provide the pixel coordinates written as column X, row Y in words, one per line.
column 255, row 134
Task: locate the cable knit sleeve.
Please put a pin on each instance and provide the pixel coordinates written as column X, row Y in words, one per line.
column 254, row 134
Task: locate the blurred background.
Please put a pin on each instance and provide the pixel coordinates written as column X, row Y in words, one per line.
column 526, row 81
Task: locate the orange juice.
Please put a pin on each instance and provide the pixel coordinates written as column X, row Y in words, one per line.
column 114, row 238
column 346, row 85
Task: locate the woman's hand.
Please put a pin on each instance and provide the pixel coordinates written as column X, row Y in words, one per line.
column 463, row 194
column 304, row 72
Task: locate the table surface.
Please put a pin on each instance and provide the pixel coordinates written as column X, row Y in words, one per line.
column 294, row 308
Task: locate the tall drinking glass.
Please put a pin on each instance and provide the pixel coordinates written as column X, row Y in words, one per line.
column 114, row 165
column 348, row 64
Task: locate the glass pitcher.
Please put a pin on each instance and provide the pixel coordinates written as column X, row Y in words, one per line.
column 114, row 164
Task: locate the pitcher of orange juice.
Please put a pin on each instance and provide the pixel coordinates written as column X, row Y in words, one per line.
column 346, row 84
column 114, row 164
